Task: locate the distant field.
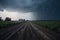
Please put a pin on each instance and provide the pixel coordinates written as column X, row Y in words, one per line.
column 50, row 24
column 4, row 24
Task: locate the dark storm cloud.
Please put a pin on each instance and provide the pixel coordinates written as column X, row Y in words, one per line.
column 43, row 9
column 28, row 5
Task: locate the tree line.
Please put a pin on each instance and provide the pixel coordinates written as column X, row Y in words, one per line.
column 6, row 19
column 9, row 19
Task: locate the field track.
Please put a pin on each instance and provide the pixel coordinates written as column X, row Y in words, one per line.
column 28, row 31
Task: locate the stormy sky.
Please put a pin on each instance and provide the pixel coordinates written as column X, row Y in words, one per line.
column 30, row 9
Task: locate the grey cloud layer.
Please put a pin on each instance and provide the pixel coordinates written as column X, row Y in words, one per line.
column 46, row 9
column 29, row 5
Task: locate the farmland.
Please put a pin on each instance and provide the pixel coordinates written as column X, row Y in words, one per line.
column 50, row 24
column 4, row 24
